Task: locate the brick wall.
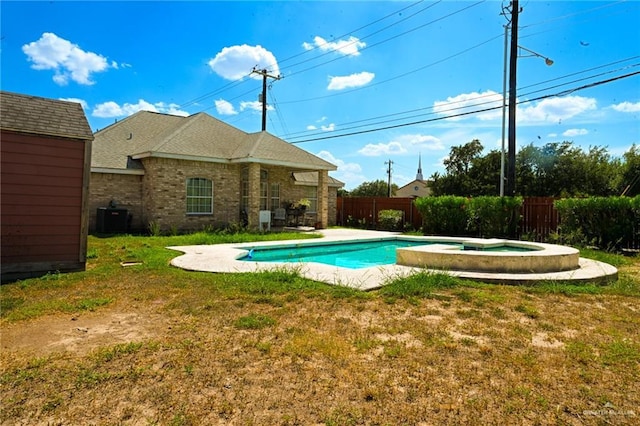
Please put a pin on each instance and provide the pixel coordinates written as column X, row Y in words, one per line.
column 159, row 195
column 165, row 193
column 124, row 190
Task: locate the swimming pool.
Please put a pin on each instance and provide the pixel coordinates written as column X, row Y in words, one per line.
column 358, row 254
column 545, row 262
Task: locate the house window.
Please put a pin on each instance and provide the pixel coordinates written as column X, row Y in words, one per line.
column 244, row 190
column 199, row 196
column 275, row 196
column 312, row 195
column 264, row 195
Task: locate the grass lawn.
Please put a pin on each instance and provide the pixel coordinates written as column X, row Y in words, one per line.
column 153, row 344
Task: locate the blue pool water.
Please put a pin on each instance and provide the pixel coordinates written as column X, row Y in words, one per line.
column 355, row 255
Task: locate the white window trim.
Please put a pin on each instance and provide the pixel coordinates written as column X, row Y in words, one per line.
column 210, row 212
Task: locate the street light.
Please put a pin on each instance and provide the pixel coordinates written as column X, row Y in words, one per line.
column 547, row 61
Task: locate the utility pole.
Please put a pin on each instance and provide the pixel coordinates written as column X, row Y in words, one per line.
column 389, row 175
column 264, row 73
column 513, row 61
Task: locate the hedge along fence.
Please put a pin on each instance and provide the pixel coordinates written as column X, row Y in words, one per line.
column 479, row 216
column 606, row 222
column 390, row 220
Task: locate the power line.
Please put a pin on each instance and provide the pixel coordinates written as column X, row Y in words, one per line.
column 353, row 31
column 450, row 106
column 462, row 114
column 369, row 86
column 392, row 38
column 359, row 39
column 242, row 79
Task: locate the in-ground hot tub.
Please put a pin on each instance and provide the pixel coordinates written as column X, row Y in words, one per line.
column 484, row 255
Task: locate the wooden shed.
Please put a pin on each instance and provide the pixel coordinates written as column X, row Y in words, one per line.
column 44, row 180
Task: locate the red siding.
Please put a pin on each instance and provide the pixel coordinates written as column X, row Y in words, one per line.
column 41, row 183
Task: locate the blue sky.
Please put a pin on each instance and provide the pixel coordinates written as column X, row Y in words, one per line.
column 366, row 68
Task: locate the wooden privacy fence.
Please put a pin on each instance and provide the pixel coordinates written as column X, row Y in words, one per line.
column 363, row 211
column 539, row 216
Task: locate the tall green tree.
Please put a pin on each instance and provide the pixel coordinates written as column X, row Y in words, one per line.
column 458, row 179
column 558, row 169
column 376, row 188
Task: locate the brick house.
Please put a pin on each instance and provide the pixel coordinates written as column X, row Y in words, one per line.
column 188, row 173
column 44, row 181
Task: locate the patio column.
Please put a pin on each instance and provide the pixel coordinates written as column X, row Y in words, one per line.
column 323, row 198
column 254, row 195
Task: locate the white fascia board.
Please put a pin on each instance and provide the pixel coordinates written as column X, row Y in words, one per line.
column 179, row 157
column 139, row 172
column 300, row 166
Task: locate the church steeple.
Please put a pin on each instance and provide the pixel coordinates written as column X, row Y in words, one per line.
column 419, row 174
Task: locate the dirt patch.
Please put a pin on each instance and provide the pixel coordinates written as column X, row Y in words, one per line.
column 82, row 333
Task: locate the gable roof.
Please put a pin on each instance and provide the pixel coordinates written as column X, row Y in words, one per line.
column 198, row 137
column 42, row 116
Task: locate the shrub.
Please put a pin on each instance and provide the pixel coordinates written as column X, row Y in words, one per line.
column 444, row 215
column 494, row 216
column 460, row 216
column 390, row 220
column 610, row 223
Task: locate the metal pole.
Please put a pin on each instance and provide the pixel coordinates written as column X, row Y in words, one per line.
column 264, row 100
column 513, row 61
column 504, row 108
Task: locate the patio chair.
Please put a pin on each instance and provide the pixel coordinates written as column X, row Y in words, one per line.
column 279, row 215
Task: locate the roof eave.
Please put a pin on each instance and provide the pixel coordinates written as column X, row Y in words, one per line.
column 51, row 134
column 151, row 154
column 300, row 166
column 139, row 172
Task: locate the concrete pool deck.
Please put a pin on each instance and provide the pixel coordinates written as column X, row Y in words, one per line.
column 223, row 258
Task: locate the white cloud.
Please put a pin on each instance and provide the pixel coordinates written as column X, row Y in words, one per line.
column 67, row 60
column 328, row 128
column 465, row 102
column 349, row 173
column 575, row 132
column 236, row 62
column 82, row 102
column 353, row 80
column 376, row 150
column 349, row 47
column 423, row 141
column 325, row 128
column 112, row 109
column 627, row 107
column 254, row 106
column 225, row 107
column 554, row 110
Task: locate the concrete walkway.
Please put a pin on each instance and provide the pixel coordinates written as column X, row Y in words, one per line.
column 222, row 258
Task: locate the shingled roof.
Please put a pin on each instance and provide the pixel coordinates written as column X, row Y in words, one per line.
column 42, row 116
column 198, row 137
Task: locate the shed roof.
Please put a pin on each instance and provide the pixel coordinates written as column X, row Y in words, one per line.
column 311, row 178
column 198, row 137
column 42, row 116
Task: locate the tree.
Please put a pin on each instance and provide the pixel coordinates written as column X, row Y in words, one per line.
column 556, row 169
column 342, row 192
column 376, row 188
column 459, row 180
column 631, row 172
